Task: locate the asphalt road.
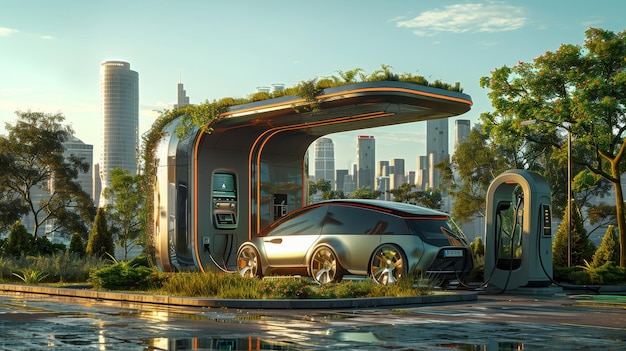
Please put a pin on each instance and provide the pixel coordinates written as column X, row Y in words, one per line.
column 492, row 322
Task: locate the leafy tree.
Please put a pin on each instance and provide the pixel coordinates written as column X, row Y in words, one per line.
column 325, row 187
column 404, row 193
column 608, row 250
column 475, row 163
column 122, row 213
column 580, row 91
column 100, row 242
column 32, row 161
column 19, row 241
column 365, row 193
column 408, row 193
column 77, row 245
column 582, row 248
column 322, row 185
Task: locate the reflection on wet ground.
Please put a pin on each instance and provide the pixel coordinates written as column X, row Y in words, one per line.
column 491, row 323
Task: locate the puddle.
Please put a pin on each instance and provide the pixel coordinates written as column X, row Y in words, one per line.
column 249, row 343
column 496, row 346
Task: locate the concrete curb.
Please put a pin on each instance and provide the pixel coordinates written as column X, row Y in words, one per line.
column 8, row 289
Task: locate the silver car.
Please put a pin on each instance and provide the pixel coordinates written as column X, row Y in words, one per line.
column 383, row 240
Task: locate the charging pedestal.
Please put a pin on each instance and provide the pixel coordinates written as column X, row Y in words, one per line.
column 518, row 232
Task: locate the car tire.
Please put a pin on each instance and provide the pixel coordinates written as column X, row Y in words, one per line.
column 324, row 266
column 388, row 264
column 249, row 262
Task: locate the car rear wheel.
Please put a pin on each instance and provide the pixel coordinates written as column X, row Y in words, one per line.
column 324, row 267
column 249, row 262
column 387, row 265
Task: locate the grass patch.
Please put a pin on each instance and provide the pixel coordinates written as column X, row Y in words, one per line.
column 138, row 276
column 233, row 286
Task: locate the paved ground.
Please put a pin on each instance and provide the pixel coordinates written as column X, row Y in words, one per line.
column 491, row 322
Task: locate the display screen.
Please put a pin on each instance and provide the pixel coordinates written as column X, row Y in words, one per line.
column 224, row 184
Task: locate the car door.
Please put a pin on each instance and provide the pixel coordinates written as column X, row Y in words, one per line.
column 353, row 232
column 287, row 244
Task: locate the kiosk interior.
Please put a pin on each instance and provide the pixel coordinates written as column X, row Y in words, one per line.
column 214, row 191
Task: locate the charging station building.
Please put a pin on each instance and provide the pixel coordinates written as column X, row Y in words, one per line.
column 214, row 191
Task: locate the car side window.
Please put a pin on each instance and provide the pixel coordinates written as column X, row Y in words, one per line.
column 396, row 225
column 304, row 223
column 353, row 220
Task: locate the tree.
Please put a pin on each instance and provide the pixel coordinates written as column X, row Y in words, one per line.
column 77, row 245
column 100, row 242
column 608, row 250
column 126, row 199
column 476, row 162
column 582, row 248
column 19, row 241
column 365, row 193
column 580, row 91
column 37, row 178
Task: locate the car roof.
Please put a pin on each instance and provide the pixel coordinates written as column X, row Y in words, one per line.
column 399, row 208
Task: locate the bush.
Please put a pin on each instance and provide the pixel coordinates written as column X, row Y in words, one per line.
column 124, row 276
column 286, row 288
column 607, row 274
column 61, row 267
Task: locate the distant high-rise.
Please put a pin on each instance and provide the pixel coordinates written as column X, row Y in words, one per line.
column 340, row 178
column 421, row 173
column 396, row 173
column 461, row 131
column 382, row 168
column 96, row 184
column 119, row 98
column 75, row 146
column 382, row 185
column 365, row 161
column 181, row 97
column 436, row 147
column 325, row 160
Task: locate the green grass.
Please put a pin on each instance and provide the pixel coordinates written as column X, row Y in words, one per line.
column 138, row 276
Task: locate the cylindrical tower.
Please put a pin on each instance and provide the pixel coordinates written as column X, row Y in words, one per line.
column 119, row 101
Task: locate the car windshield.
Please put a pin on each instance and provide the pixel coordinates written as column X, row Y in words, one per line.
column 436, row 232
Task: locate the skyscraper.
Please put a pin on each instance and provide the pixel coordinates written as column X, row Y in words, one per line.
column 119, row 98
column 181, row 96
column 461, row 131
column 365, row 161
column 436, row 147
column 76, row 147
column 421, row 173
column 340, row 179
column 396, row 173
column 325, row 160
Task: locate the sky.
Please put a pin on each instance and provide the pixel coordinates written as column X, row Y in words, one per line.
column 50, row 51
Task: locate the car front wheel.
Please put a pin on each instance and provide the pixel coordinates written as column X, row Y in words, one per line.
column 249, row 262
column 324, row 266
column 387, row 265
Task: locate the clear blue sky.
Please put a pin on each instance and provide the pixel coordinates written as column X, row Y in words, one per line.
column 50, row 51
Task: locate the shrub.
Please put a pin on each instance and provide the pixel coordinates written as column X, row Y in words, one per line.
column 31, row 276
column 286, row 288
column 124, row 276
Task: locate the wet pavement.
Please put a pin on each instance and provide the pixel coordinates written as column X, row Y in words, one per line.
column 491, row 322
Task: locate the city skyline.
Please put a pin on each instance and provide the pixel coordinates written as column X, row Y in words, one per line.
column 51, row 52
